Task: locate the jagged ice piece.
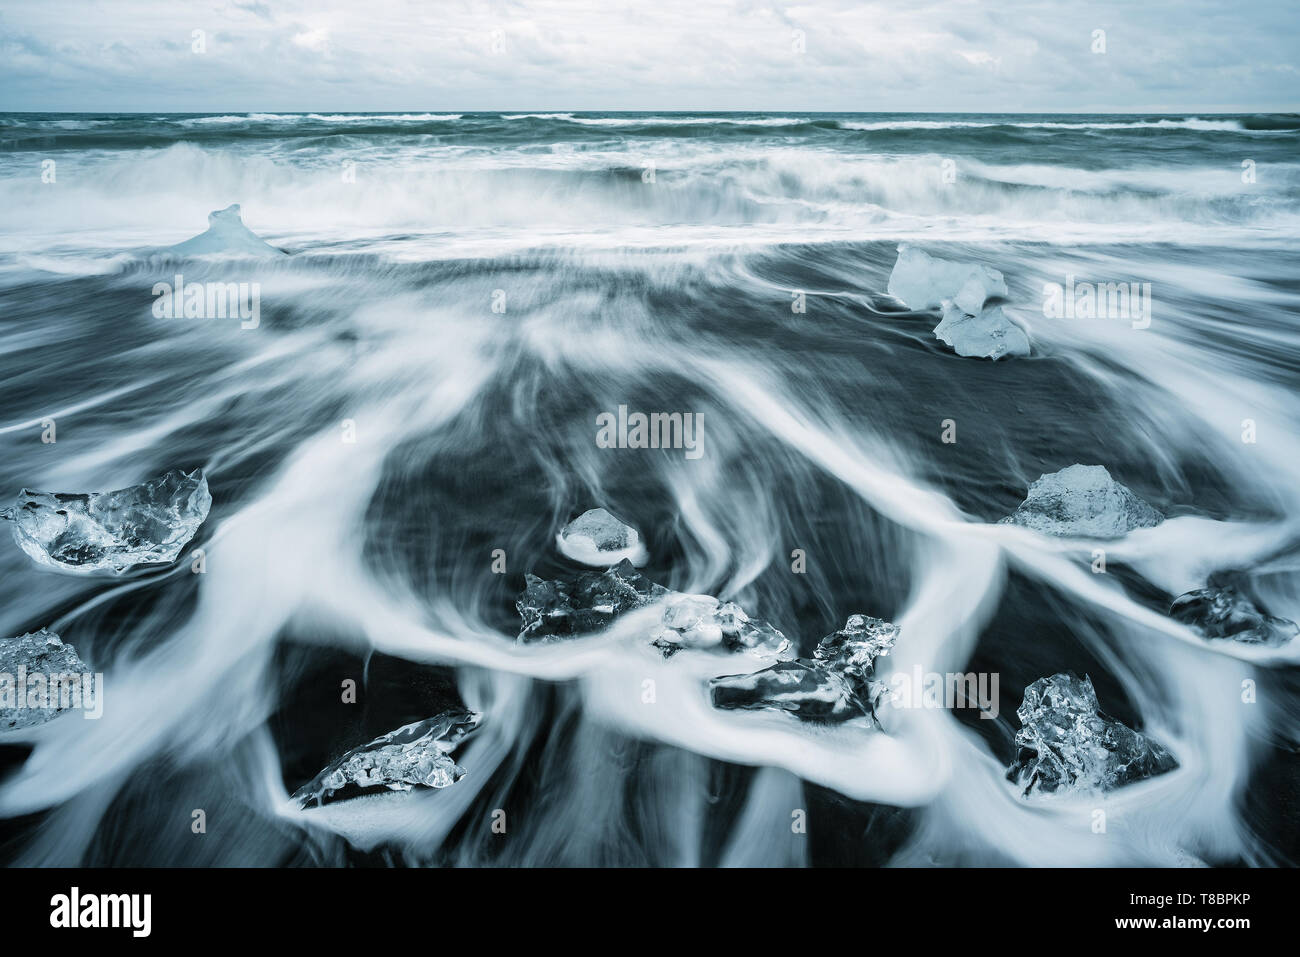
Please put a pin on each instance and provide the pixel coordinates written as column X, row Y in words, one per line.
column 1066, row 743
column 109, row 532
column 923, row 282
column 988, row 335
column 598, row 538
column 1223, row 609
column 415, row 755
column 44, row 654
column 1082, row 501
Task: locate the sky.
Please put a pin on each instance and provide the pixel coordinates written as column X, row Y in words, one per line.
column 829, row 56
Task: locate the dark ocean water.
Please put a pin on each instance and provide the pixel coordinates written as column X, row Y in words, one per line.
column 467, row 293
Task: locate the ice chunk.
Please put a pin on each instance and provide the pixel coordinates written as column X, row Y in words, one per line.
column 988, row 335
column 1224, row 609
column 801, row 687
column 416, row 755
column 43, row 656
column 597, row 538
column 835, row 685
column 587, row 603
column 226, row 234
column 590, row 601
column 853, row 649
column 1066, row 743
column 1083, row 501
column 923, row 282
column 109, row 532
column 701, row 621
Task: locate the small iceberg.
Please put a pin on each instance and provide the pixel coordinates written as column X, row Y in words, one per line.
column 1082, row 501
column 922, row 282
column 989, row 334
column 598, row 538
column 1224, row 609
column 109, row 532
column 226, row 235
column 836, row 684
column 1067, row 744
column 43, row 657
column 415, row 755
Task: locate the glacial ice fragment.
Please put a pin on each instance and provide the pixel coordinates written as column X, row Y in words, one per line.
column 226, row 234
column 88, row 533
column 588, row 602
column 1066, row 743
column 1082, row 501
column 553, row 610
column 923, row 282
column 1225, row 609
column 801, row 687
column 416, row 755
column 836, row 684
column 598, row 538
column 701, row 621
column 988, row 335
column 853, row 649
column 40, row 653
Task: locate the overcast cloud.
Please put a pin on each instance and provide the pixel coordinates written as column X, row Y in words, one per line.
column 398, row 55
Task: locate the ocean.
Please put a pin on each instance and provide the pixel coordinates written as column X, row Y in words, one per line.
column 409, row 409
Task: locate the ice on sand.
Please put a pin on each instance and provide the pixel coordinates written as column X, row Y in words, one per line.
column 42, row 656
column 836, row 684
column 598, row 538
column 1068, row 745
column 1225, row 609
column 589, row 601
column 702, row 621
column 923, row 282
column 109, row 532
column 415, row 755
column 988, row 335
column 1082, row 501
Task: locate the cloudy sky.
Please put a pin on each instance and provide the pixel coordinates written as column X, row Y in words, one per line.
column 829, row 55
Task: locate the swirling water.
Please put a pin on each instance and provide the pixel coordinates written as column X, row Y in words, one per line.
column 467, row 293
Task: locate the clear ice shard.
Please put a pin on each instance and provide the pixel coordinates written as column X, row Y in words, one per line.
column 598, row 538
column 701, row 621
column 923, row 282
column 109, row 532
column 40, row 653
column 801, row 687
column 590, row 601
column 415, row 755
column 586, row 603
column 1067, row 744
column 853, row 649
column 836, row 684
column 226, row 235
column 1082, row 501
column 986, row 335
column 1224, row 608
